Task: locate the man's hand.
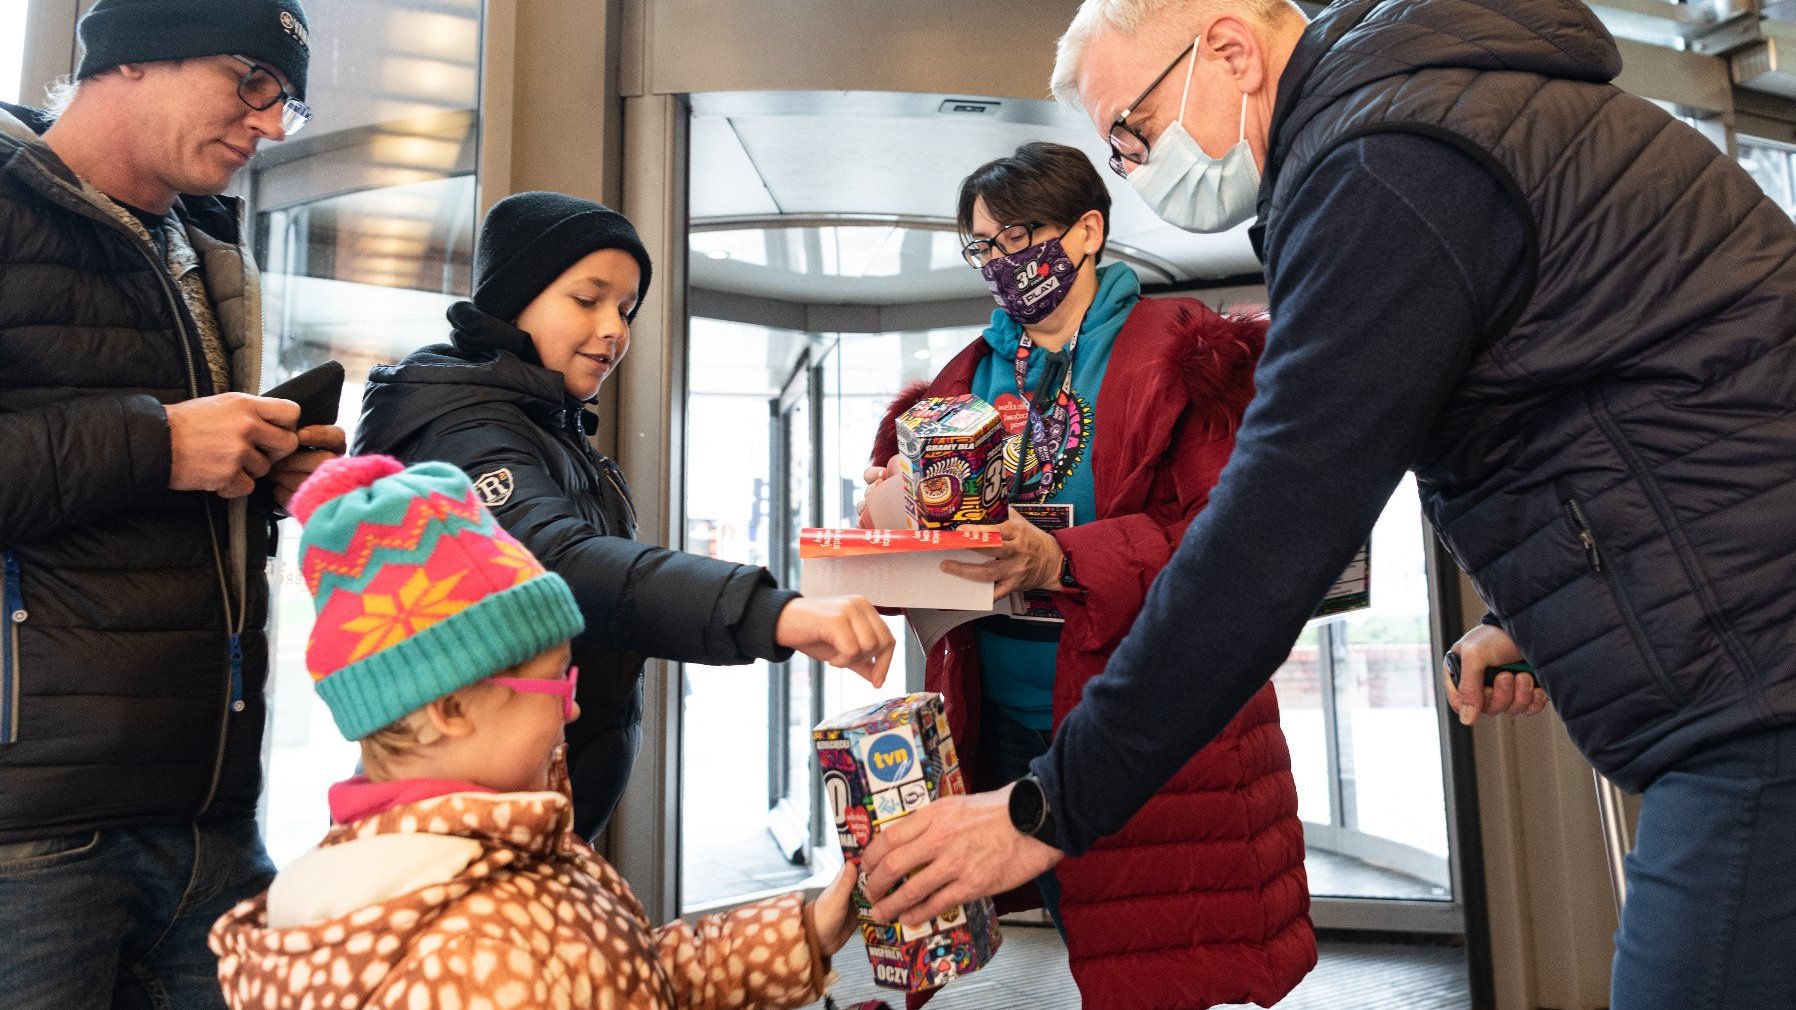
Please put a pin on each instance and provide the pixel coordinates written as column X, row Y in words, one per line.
column 1028, row 559
column 1483, row 647
column 318, row 442
column 954, row 850
column 842, row 631
column 225, row 443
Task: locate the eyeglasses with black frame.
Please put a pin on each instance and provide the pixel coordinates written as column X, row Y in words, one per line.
column 1129, row 145
column 260, row 89
column 1010, row 239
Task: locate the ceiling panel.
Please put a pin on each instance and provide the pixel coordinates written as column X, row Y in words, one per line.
column 817, row 156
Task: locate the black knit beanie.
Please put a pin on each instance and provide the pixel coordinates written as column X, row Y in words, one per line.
column 529, row 239
column 273, row 32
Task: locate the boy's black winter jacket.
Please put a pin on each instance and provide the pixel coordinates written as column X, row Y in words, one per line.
column 485, row 403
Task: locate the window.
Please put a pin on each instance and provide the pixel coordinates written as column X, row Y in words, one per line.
column 1769, row 165
column 12, row 48
column 364, row 232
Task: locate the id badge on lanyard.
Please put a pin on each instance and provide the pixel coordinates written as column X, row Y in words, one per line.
column 1046, row 430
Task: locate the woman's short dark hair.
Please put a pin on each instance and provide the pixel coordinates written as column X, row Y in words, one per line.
column 1051, row 183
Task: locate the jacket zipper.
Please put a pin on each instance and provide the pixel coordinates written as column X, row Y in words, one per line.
column 233, row 621
column 624, row 496
column 10, row 679
column 1594, row 558
column 189, row 340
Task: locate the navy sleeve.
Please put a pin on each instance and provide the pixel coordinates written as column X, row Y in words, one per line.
column 1384, row 273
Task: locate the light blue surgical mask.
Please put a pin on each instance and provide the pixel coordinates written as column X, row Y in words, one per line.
column 1192, row 190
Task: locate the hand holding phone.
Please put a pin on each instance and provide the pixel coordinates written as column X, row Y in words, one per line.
column 1479, row 682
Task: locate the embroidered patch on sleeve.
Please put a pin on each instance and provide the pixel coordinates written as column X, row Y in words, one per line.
column 494, row 487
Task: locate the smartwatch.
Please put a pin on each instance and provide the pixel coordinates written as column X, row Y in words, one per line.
column 1029, row 812
column 1066, row 573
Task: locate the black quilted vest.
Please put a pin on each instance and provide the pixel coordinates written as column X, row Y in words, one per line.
column 1617, row 468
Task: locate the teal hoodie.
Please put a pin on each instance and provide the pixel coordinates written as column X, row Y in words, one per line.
column 1017, row 674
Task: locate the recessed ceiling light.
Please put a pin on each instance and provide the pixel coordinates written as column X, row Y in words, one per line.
column 719, row 254
column 921, row 354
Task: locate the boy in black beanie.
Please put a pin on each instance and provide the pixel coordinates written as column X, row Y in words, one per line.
column 557, row 282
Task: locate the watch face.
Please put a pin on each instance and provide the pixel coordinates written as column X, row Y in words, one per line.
column 1027, row 803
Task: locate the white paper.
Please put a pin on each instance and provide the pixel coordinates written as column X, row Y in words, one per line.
column 930, row 624
column 906, row 579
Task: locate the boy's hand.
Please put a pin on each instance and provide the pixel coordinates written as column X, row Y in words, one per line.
column 832, row 913
column 842, row 631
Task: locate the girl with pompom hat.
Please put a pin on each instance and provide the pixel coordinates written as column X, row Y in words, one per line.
column 450, row 875
column 557, row 282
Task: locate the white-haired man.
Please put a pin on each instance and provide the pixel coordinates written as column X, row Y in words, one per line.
column 138, row 489
column 1572, row 317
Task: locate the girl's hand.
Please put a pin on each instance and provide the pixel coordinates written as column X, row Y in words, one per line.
column 833, row 914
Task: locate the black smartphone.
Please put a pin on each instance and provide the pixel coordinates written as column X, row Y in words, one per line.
column 1453, row 669
column 316, row 390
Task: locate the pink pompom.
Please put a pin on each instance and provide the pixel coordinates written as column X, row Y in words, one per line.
column 339, row 477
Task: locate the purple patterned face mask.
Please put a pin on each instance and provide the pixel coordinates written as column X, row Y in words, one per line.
column 1029, row 285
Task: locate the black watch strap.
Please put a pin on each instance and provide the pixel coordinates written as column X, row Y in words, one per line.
column 1066, row 572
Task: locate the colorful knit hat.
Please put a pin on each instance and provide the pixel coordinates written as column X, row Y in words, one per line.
column 419, row 591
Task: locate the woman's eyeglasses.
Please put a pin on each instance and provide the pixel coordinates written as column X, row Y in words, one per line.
column 563, row 687
column 260, row 88
column 1010, row 240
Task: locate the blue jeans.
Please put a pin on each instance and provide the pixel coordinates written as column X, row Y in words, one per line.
column 1005, row 749
column 1710, row 920
column 118, row 917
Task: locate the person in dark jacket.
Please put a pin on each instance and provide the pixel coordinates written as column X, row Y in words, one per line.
column 1175, row 909
column 1573, row 317
column 557, row 282
column 138, row 489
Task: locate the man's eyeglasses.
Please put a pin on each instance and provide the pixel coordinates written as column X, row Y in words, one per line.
column 260, row 88
column 564, row 688
column 1126, row 142
column 1010, row 239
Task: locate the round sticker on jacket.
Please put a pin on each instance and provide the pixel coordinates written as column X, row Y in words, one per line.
column 494, row 487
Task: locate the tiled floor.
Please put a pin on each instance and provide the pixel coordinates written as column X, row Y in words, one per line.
column 1339, row 876
column 1030, row 973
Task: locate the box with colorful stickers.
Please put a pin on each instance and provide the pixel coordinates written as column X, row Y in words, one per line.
column 879, row 763
column 952, row 462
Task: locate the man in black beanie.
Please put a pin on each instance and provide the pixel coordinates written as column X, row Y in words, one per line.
column 138, row 492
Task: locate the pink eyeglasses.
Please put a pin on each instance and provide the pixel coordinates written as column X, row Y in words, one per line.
column 563, row 687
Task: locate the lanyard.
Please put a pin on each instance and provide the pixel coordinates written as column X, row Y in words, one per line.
column 1045, row 429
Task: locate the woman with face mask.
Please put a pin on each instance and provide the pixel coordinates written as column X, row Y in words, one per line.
column 1121, row 412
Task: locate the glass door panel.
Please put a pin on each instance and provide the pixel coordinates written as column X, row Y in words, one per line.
column 363, row 278
column 1358, row 702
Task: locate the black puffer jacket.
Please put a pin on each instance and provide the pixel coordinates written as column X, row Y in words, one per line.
column 485, row 403
column 120, row 702
column 1617, row 467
